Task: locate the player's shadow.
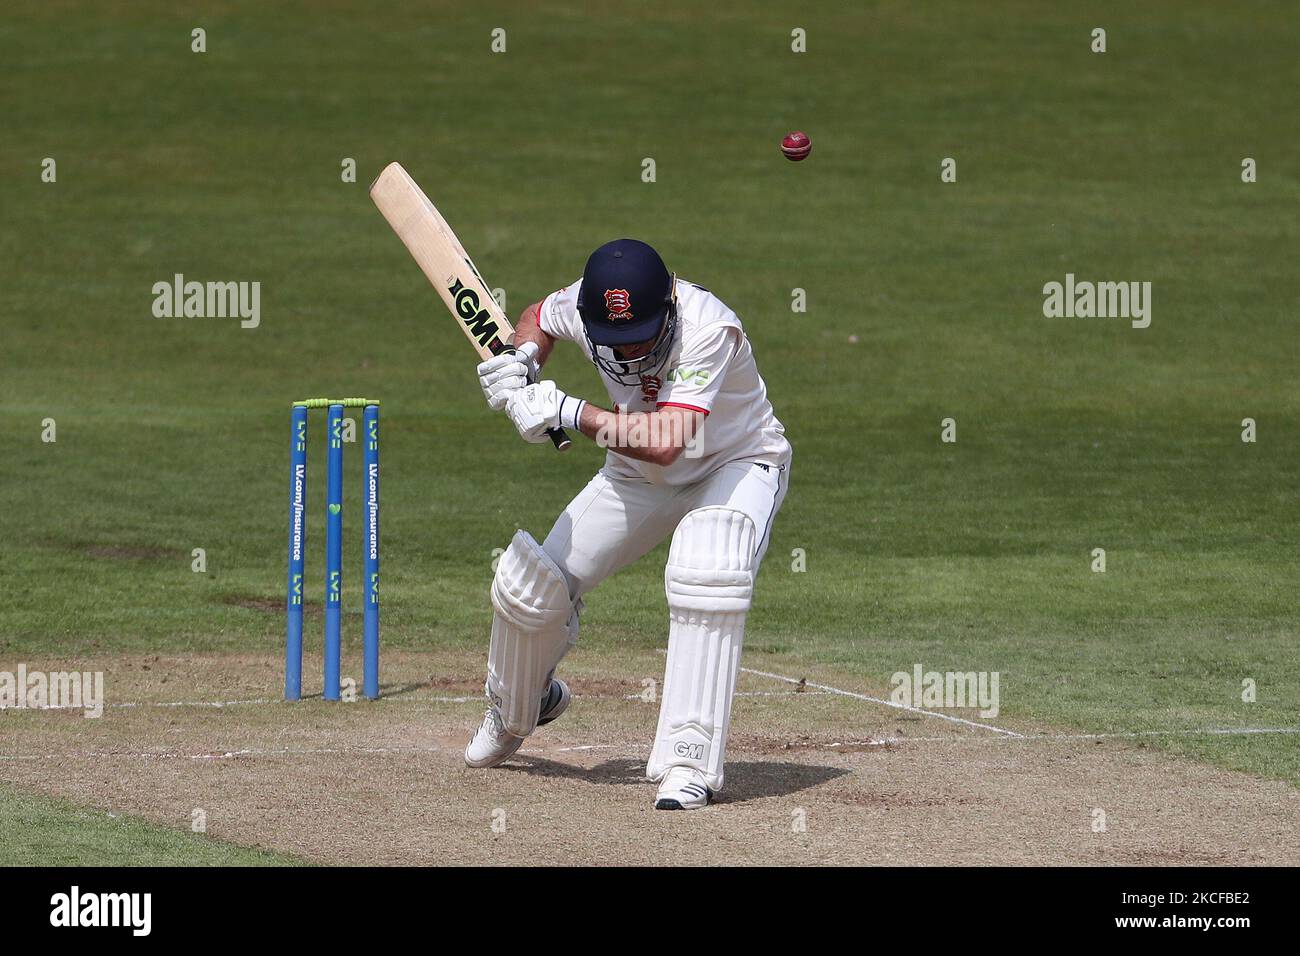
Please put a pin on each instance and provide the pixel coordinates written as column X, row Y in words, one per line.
column 752, row 780
column 746, row 780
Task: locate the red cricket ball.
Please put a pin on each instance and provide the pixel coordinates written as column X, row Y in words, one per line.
column 796, row 146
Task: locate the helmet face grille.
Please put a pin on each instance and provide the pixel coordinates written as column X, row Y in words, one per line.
column 633, row 371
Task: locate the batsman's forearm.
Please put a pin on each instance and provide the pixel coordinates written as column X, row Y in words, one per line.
column 529, row 330
column 619, row 431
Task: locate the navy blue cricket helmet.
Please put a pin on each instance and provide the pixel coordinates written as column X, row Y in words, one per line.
column 626, row 298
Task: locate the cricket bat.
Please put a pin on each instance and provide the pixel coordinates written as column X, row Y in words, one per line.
column 447, row 266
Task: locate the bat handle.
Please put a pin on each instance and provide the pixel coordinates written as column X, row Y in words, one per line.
column 558, row 438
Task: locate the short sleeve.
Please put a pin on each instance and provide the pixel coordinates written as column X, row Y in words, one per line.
column 558, row 316
column 696, row 379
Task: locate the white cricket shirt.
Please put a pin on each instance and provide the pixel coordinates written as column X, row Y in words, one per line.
column 711, row 369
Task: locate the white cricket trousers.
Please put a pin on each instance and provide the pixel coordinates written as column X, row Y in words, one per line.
column 614, row 521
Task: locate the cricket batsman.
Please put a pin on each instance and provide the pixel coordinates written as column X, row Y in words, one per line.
column 694, row 452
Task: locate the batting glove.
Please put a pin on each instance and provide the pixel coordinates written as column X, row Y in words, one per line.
column 541, row 406
column 508, row 372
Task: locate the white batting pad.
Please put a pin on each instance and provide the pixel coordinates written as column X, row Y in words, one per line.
column 533, row 627
column 710, row 582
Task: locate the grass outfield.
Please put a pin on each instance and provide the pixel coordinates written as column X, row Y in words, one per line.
column 43, row 832
column 924, row 303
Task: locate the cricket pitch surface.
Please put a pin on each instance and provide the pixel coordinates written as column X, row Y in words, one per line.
column 818, row 773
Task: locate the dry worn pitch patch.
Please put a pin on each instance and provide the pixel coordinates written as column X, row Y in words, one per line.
column 384, row 783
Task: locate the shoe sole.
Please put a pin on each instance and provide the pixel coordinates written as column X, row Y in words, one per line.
column 484, row 764
column 668, row 803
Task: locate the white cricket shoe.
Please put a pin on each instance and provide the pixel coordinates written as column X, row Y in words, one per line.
column 492, row 743
column 683, row 788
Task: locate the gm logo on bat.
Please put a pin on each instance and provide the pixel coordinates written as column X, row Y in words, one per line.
column 476, row 318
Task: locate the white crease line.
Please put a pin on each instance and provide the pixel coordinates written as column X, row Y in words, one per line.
column 273, row 701
column 739, row 693
column 226, row 755
column 147, row 703
column 1212, row 731
column 476, row 698
column 880, row 700
column 1124, row 735
column 874, row 742
column 291, row 752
